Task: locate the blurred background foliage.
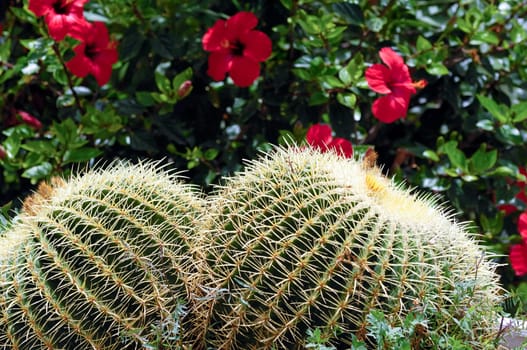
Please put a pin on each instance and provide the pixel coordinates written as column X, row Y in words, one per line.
column 463, row 138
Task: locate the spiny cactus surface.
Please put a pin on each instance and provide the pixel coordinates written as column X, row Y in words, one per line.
column 302, row 240
column 96, row 261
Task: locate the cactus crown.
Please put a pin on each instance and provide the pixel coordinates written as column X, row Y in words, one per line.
column 302, row 240
column 99, row 259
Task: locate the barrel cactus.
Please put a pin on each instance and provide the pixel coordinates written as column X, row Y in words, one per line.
column 302, row 240
column 101, row 261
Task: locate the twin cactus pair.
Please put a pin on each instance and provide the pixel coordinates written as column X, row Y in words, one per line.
column 299, row 240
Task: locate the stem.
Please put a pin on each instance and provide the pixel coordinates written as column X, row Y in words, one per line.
column 68, row 76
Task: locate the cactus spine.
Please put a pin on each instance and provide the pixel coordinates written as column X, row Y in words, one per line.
column 303, row 240
column 98, row 260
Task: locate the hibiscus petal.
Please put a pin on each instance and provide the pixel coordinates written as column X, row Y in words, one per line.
column 377, row 77
column 213, row 38
column 342, row 146
column 219, row 64
column 244, row 71
column 389, row 108
column 522, row 225
column 99, row 36
column 57, row 26
column 241, row 22
column 80, row 29
column 41, row 7
column 391, row 58
column 102, row 73
column 258, row 46
column 79, row 65
column 319, row 136
column 522, row 195
column 518, row 258
column 108, row 56
column 507, row 209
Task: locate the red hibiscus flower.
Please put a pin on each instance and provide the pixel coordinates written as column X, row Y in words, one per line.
column 518, row 252
column 522, row 194
column 394, row 81
column 94, row 55
column 508, row 208
column 319, row 137
column 63, row 17
column 236, row 48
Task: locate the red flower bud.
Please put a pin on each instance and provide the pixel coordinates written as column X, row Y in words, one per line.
column 3, row 153
column 29, row 119
column 184, row 89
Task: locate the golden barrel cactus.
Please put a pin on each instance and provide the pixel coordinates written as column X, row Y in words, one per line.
column 101, row 261
column 302, row 240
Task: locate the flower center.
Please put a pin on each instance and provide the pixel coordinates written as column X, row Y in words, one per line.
column 91, row 51
column 235, row 47
column 61, row 7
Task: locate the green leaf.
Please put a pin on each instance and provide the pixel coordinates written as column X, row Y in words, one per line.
column 332, row 82
column 81, row 155
column 509, row 134
column 429, row 154
column 38, row 172
column 334, row 35
column 181, row 77
column 66, row 133
column 161, row 46
column 457, row 157
column 464, row 25
column 482, row 160
column 423, row 44
column 492, row 225
column 347, row 99
column 12, row 146
column 40, row 146
column 498, row 111
column 485, row 37
column 145, row 98
column 163, row 83
column 352, row 13
column 287, row 4
column 318, row 98
column 502, row 171
column 309, row 23
column 353, row 70
column 486, row 124
column 345, row 77
column 375, row 24
column 211, row 154
column 519, row 112
column 302, row 73
column 437, row 68
column 130, row 45
column 33, row 159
